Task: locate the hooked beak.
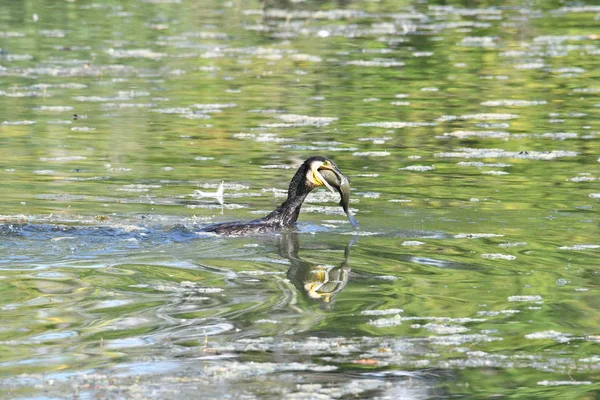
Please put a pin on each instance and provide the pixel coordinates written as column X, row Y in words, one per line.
column 320, row 179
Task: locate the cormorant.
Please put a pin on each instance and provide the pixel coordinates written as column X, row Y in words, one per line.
column 315, row 171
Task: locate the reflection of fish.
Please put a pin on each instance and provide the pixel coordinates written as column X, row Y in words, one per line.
column 341, row 183
column 315, row 171
column 318, row 282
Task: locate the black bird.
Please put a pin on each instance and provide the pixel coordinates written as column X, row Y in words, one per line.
column 315, row 171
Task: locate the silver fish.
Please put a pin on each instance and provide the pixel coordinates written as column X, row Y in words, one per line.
column 342, row 185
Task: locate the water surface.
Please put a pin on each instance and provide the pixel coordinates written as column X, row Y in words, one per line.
column 470, row 137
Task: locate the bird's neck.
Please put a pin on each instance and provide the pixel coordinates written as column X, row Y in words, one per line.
column 287, row 213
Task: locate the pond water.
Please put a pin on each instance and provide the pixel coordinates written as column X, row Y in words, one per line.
column 470, row 135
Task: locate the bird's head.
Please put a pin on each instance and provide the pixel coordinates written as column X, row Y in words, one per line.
column 321, row 171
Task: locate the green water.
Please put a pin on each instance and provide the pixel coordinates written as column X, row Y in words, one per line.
column 470, row 136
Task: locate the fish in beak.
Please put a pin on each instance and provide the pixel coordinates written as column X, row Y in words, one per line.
column 333, row 178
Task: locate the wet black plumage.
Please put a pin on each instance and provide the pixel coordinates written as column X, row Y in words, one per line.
column 283, row 216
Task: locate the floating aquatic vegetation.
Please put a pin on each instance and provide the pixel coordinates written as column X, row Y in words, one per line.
column 173, row 110
column 377, row 62
column 65, row 85
column 583, row 178
column 412, row 243
column 319, row 148
column 482, row 164
column 458, row 11
column 231, row 206
column 525, row 298
column 294, row 120
column 422, row 53
column 18, row 122
column 480, row 134
column 488, row 116
column 195, row 115
column 118, row 169
column 10, row 34
column 364, row 233
column 76, row 71
column 271, row 137
column 55, row 108
column 479, row 41
column 496, row 313
column 228, row 186
column 396, row 124
column 137, row 188
column 210, row 107
column 135, row 53
column 459, row 339
column 558, row 336
column 123, row 97
column 15, row 57
column 569, row 70
column 579, row 247
column 531, row 65
column 83, row 179
column 375, row 140
column 305, row 57
column 368, row 195
column 563, row 383
column 371, row 153
column 52, row 33
column 593, row 89
column 418, row 168
column 388, row 311
column 476, row 235
column 443, row 329
column 64, row 158
column 512, row 103
column 495, row 173
column 549, row 135
column 458, row 320
column 336, row 14
column 23, row 94
column 114, row 106
column 497, row 256
column 512, row 244
column 386, row 322
column 499, row 153
column 243, row 135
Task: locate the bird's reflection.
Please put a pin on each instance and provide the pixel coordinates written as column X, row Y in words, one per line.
column 316, row 281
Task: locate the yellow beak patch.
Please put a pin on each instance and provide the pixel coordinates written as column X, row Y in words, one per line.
column 318, row 178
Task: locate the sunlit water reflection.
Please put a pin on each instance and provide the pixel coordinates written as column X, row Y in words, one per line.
column 470, row 137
